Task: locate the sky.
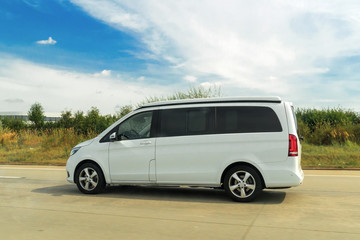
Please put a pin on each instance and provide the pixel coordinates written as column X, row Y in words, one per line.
column 75, row 54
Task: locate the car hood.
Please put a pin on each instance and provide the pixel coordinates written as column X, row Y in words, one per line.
column 83, row 144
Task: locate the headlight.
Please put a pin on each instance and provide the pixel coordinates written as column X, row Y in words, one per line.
column 74, row 150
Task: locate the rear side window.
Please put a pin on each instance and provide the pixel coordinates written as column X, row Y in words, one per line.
column 197, row 120
column 173, row 122
column 246, row 120
column 187, row 121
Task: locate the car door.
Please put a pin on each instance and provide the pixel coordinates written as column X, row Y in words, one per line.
column 186, row 150
column 132, row 154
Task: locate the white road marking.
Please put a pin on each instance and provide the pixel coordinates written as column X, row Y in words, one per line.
column 20, row 168
column 10, row 177
column 332, row 176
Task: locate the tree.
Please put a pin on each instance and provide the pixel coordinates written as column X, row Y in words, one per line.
column 124, row 110
column 94, row 121
column 79, row 122
column 36, row 115
column 66, row 120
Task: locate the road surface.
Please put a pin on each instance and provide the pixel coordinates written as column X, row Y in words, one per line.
column 38, row 203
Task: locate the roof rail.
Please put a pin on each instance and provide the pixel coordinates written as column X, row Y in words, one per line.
column 214, row 100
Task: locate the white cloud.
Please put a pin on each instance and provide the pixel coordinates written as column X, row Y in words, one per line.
column 32, row 3
column 210, row 84
column 241, row 43
column 14, row 100
column 103, row 73
column 112, row 13
column 310, row 71
column 190, row 79
column 57, row 89
column 142, row 78
column 50, row 41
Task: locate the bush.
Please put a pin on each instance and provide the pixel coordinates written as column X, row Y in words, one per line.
column 8, row 140
column 335, row 116
column 329, row 126
column 13, row 124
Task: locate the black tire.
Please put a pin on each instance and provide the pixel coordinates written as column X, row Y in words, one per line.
column 90, row 179
column 240, row 190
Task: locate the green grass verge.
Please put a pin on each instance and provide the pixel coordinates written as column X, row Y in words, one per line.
column 332, row 156
column 34, row 156
column 38, row 147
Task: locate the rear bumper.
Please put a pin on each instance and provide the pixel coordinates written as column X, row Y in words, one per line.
column 283, row 174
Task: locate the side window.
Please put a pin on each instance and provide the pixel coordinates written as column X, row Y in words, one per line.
column 137, row 126
column 173, row 122
column 246, row 120
column 197, row 121
column 186, row 121
column 227, row 119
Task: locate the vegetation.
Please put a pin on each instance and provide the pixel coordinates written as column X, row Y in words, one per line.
column 48, row 147
column 331, row 156
column 193, row 92
column 331, row 136
column 36, row 115
column 329, row 126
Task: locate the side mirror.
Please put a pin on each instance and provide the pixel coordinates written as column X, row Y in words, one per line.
column 113, row 137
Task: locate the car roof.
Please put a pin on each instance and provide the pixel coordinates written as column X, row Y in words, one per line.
column 270, row 99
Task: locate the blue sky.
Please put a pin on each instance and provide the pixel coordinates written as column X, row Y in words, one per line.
column 107, row 53
column 82, row 42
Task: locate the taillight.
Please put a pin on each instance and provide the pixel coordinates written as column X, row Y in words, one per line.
column 293, row 146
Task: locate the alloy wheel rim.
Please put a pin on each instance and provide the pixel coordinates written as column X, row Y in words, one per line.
column 88, row 179
column 242, row 184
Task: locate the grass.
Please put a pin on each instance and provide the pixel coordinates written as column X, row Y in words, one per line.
column 52, row 147
column 49, row 147
column 331, row 156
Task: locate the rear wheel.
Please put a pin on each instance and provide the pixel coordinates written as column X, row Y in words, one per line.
column 242, row 183
column 90, row 179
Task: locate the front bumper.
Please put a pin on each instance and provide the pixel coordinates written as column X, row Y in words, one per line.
column 70, row 169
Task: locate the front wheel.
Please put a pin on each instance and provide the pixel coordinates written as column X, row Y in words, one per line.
column 242, row 183
column 90, row 179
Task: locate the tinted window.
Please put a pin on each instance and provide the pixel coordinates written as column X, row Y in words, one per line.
column 246, row 119
column 197, row 120
column 135, row 127
column 177, row 122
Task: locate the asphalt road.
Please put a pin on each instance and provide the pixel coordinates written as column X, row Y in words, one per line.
column 38, row 203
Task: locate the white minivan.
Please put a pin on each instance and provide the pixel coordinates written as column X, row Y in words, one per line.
column 242, row 144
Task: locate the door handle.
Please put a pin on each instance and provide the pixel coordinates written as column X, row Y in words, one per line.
column 146, row 142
